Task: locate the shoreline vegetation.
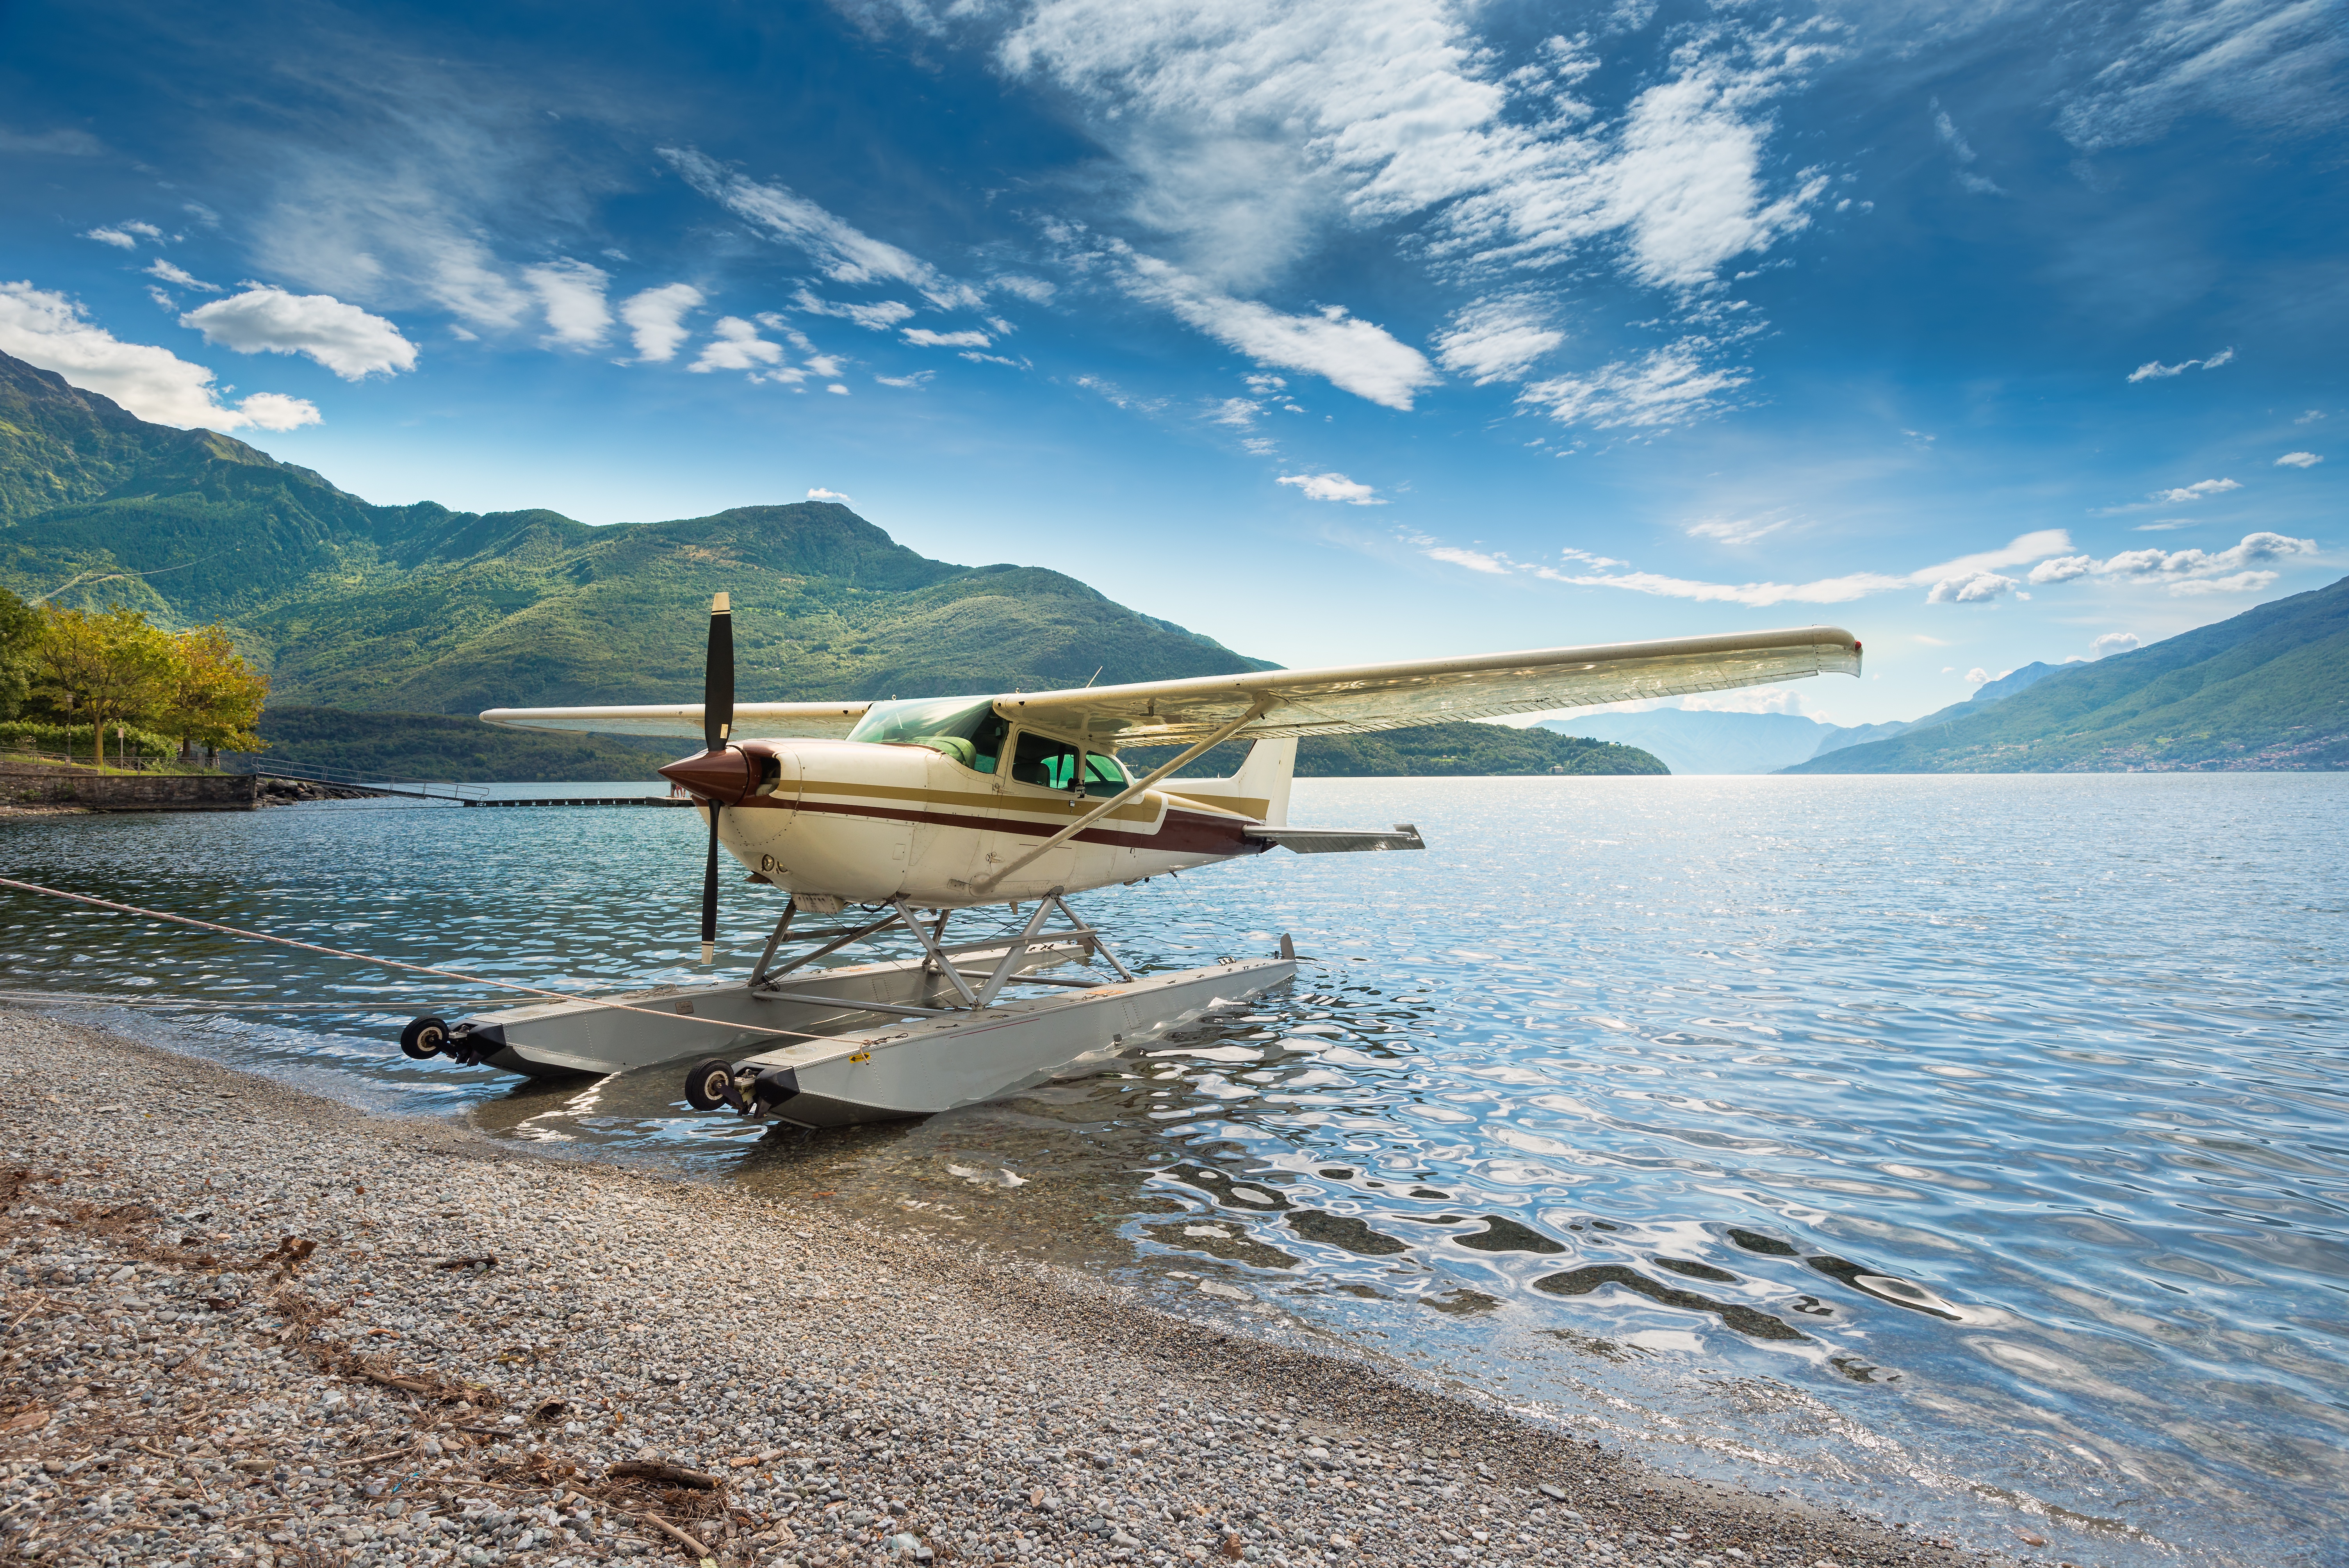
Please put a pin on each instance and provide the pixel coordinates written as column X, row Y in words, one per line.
column 248, row 1326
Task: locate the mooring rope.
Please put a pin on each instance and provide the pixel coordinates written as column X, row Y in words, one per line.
column 384, row 963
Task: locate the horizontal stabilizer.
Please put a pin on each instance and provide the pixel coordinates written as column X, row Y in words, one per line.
column 1339, row 840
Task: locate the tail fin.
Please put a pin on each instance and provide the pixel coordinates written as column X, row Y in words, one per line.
column 1266, row 776
column 1259, row 789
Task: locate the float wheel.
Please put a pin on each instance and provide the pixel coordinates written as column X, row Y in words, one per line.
column 711, row 1085
column 424, row 1038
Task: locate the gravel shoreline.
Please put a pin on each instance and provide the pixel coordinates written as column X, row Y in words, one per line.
column 243, row 1324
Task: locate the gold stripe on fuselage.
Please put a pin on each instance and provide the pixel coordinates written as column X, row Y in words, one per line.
column 1141, row 810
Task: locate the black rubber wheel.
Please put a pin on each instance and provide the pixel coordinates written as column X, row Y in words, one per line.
column 424, row 1038
column 711, row 1085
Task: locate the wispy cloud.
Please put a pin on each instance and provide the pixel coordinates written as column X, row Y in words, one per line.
column 735, row 344
column 343, row 338
column 125, row 236
column 1961, row 152
column 180, row 277
column 1669, row 386
column 878, row 316
column 2268, row 62
column 2297, row 460
column 1497, row 338
column 1354, row 356
column 923, row 337
column 1333, row 486
column 840, row 251
column 1968, row 580
column 1735, row 529
column 2197, row 491
column 51, row 331
column 655, row 320
column 2154, row 370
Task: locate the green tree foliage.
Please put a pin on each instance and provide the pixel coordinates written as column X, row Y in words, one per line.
column 215, row 697
column 20, row 639
column 1432, row 750
column 103, row 668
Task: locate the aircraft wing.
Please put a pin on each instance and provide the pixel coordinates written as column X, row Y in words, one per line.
column 752, row 720
column 1357, row 698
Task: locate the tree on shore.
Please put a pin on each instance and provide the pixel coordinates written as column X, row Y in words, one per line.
column 20, row 642
column 114, row 668
column 105, row 668
column 215, row 696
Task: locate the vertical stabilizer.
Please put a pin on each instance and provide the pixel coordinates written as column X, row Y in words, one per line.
column 1266, row 776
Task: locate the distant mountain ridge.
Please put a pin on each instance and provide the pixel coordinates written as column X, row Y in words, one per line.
column 420, row 609
column 1699, row 740
column 2267, row 689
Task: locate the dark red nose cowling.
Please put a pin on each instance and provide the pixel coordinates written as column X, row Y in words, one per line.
column 724, row 776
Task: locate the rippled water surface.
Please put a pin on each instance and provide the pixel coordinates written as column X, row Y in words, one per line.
column 1973, row 1151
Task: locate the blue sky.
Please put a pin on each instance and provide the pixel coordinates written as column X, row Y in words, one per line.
column 1337, row 329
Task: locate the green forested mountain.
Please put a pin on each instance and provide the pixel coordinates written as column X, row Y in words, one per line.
column 1432, row 750
column 420, row 609
column 2267, row 689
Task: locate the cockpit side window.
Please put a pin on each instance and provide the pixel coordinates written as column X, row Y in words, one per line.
column 1040, row 760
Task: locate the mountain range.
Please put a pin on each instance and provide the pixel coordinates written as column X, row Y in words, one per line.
column 2264, row 690
column 384, row 628
column 1698, row 740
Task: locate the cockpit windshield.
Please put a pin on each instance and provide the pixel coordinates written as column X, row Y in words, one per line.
column 968, row 731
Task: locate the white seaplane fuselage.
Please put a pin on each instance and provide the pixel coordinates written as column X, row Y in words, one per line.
column 867, row 822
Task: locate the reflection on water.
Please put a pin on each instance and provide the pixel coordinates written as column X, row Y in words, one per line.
column 1954, row 1145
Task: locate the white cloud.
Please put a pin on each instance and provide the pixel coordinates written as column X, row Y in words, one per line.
column 1980, row 676
column 831, row 495
column 1237, row 412
column 2297, row 460
column 2163, row 525
column 656, row 319
column 1496, row 338
column 1975, row 588
column 878, row 316
column 737, row 346
column 2195, row 491
column 1035, row 291
column 1969, row 579
column 50, row 331
column 2154, row 370
column 2272, row 62
column 572, row 294
column 842, row 252
column 1670, row 387
column 1962, row 152
column 1735, row 529
column 837, row 389
column 2185, row 572
column 918, row 379
column 923, row 337
column 159, row 268
column 343, row 338
column 1333, row 486
column 2113, row 643
column 125, row 236
column 1352, row 356
column 1474, row 560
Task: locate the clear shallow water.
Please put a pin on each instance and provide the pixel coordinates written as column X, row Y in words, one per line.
column 1976, row 1150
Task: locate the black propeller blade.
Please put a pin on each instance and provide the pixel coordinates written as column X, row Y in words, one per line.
column 718, row 677
column 717, row 724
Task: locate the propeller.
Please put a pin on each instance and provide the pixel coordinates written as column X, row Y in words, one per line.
column 717, row 724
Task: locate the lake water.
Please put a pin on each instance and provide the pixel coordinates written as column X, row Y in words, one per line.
column 1972, row 1152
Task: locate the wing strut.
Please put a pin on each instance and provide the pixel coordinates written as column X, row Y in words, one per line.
column 1255, row 712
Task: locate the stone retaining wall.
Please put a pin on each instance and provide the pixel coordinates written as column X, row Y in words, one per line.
column 34, row 784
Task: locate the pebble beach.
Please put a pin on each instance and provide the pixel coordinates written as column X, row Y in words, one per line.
column 245, row 1326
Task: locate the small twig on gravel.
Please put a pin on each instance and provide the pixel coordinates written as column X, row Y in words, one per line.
column 700, row 1548
column 665, row 1474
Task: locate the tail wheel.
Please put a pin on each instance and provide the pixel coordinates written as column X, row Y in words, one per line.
column 711, row 1085
column 424, row 1038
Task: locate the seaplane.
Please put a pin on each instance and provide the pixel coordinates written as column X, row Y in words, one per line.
column 885, row 820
